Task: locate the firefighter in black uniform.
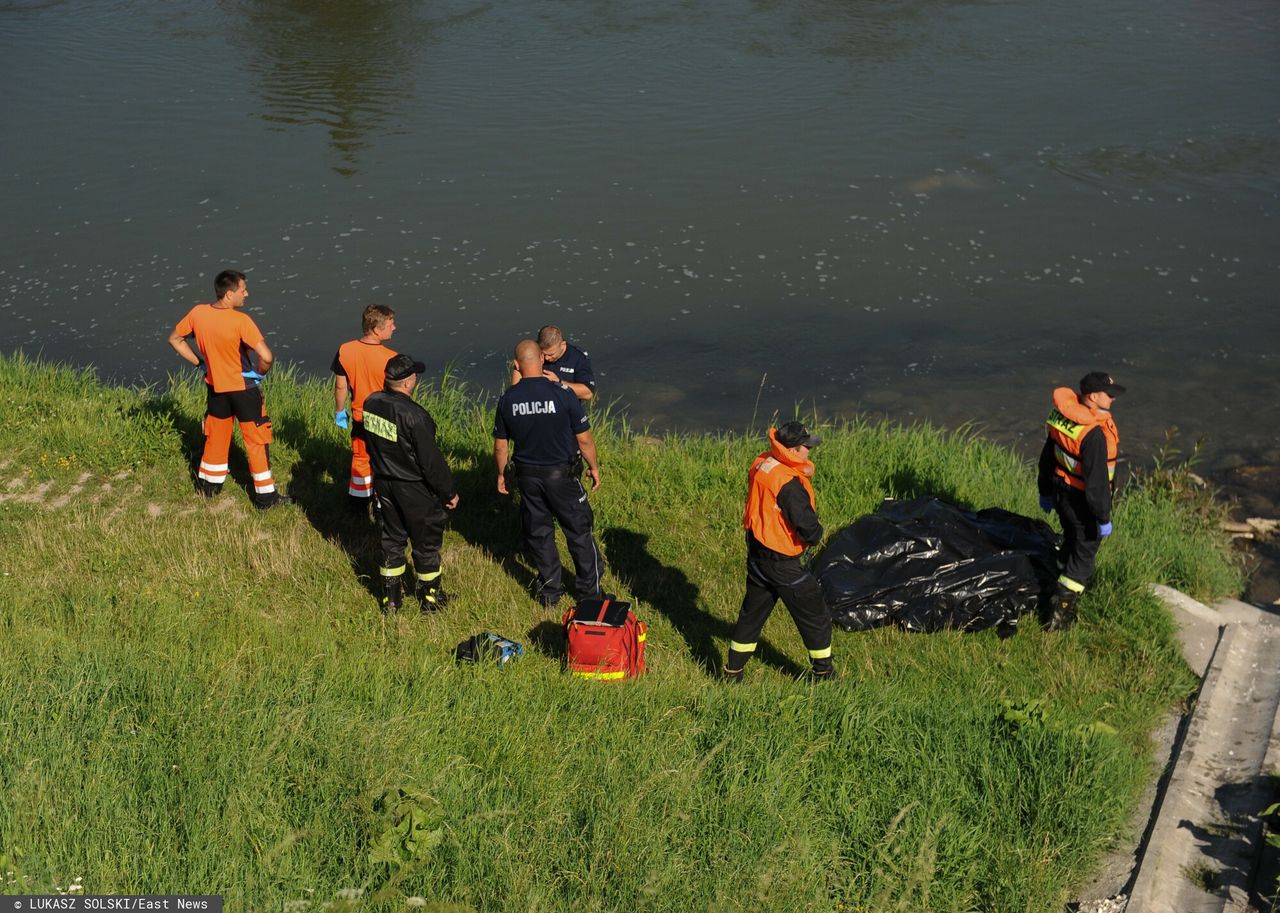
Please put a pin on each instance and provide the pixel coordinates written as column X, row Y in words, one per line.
column 1077, row 477
column 412, row 483
column 549, row 428
column 781, row 521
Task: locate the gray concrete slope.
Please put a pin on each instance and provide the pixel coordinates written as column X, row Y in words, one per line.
column 1203, row 845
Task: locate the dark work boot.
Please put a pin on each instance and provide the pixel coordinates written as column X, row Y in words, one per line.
column 392, row 595
column 824, row 670
column 207, row 489
column 267, row 502
column 1064, row 610
column 431, row 595
column 734, row 665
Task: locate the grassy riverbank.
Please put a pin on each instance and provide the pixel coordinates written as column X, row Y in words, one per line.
column 195, row 697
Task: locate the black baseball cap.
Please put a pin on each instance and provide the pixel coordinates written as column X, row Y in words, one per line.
column 402, row 366
column 1100, row 382
column 794, row 434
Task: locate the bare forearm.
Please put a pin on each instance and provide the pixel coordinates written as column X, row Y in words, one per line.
column 265, row 357
column 184, row 350
column 588, row 447
column 500, row 459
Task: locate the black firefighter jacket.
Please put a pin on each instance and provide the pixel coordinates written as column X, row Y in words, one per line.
column 401, row 438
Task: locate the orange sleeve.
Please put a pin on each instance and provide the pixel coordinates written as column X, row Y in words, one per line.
column 185, row 327
column 249, row 332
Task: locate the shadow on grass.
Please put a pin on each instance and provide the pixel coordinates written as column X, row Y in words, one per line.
column 191, row 437
column 547, row 637
column 491, row 522
column 669, row 591
column 907, row 484
column 325, row 503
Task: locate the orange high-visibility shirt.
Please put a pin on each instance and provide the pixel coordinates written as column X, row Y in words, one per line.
column 225, row 338
column 364, row 364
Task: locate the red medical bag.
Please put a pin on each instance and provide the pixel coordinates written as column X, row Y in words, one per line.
column 606, row 640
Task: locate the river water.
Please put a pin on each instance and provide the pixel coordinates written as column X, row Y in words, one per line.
column 922, row 209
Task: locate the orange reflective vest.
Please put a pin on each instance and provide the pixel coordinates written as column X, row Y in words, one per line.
column 763, row 517
column 1068, row 423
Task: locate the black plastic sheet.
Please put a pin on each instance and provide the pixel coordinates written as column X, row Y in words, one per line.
column 928, row 565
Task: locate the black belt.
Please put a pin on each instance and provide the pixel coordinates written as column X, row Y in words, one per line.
column 560, row 471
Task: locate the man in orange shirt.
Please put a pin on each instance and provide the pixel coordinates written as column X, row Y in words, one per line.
column 227, row 339
column 359, row 369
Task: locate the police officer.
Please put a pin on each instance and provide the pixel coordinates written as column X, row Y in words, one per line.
column 412, row 483
column 565, row 364
column 1076, row 477
column 549, row 428
column 781, row 520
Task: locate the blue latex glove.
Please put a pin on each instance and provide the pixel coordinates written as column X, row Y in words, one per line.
column 1104, row 530
column 251, row 375
column 1046, row 503
column 340, row 418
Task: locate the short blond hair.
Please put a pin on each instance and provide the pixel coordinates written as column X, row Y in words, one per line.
column 374, row 316
column 549, row 336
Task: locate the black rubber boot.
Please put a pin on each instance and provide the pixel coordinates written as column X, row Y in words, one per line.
column 431, row 596
column 734, row 664
column 392, row 595
column 731, row 676
column 1064, row 610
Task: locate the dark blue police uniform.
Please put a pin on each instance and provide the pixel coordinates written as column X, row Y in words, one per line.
column 541, row 419
column 574, row 366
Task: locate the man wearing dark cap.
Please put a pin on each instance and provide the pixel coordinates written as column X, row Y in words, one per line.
column 781, row 521
column 1077, row 476
column 412, row 483
column 549, row 429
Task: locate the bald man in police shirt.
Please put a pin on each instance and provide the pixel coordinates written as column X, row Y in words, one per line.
column 549, row 428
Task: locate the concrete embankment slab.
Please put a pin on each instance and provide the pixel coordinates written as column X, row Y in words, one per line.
column 1204, row 843
column 1199, row 627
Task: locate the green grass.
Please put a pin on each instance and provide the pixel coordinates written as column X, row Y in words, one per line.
column 195, row 697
